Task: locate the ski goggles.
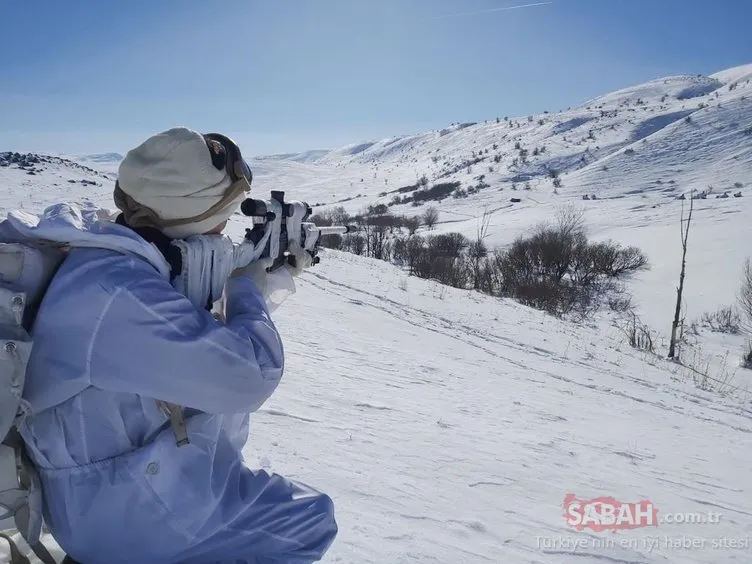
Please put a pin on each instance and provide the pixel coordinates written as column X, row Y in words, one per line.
column 225, row 152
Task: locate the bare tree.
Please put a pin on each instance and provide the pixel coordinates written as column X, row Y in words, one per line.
column 412, row 224
column 677, row 312
column 339, row 216
column 478, row 251
column 431, row 217
column 355, row 243
column 745, row 292
column 570, row 219
column 414, row 248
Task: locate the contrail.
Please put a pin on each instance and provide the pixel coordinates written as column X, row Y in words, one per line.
column 492, row 10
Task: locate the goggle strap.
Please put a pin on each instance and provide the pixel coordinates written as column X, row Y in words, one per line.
column 143, row 215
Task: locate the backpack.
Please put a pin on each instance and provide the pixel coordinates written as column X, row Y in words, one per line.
column 28, row 263
column 25, row 273
column 26, row 270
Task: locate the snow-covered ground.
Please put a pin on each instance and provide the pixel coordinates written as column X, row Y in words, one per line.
column 448, row 426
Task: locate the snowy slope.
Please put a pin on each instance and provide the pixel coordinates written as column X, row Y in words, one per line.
column 449, row 426
column 635, row 150
column 586, row 145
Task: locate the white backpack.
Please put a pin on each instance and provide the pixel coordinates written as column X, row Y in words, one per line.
column 25, row 273
column 26, row 270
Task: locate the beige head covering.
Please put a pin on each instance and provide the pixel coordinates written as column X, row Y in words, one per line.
column 170, row 182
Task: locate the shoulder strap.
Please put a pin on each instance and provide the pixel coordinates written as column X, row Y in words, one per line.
column 18, row 557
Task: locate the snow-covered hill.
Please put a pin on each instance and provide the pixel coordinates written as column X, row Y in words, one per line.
column 448, row 426
column 28, row 180
column 661, row 137
column 626, row 158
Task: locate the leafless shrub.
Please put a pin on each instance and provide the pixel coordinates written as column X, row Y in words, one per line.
column 431, row 217
column 412, row 224
column 745, row 291
column 724, row 320
column 639, row 335
column 558, row 270
column 611, row 259
column 620, row 303
column 747, row 356
column 355, row 244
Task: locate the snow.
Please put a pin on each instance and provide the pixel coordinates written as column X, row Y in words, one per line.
column 735, row 74
column 448, row 426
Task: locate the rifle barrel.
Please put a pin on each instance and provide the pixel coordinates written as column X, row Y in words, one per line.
column 335, row 229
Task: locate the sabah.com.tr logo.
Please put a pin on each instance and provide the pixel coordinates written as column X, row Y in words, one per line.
column 607, row 514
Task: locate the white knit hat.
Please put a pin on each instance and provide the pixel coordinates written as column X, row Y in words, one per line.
column 172, row 174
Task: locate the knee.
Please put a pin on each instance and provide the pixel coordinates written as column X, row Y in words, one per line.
column 326, row 509
column 326, row 529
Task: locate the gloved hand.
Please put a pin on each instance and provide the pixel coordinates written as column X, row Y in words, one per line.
column 256, row 271
column 303, row 259
column 274, row 286
column 278, row 285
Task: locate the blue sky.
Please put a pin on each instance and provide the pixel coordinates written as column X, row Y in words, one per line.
column 290, row 75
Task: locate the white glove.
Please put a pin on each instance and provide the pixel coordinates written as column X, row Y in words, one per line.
column 275, row 286
column 278, row 285
column 256, row 271
column 303, row 259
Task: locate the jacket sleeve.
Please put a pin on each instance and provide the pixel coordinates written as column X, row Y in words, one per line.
column 153, row 342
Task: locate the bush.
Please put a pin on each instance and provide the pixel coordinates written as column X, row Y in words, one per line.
column 557, row 270
column 378, row 209
column 405, row 189
column 747, row 357
column 610, row 259
column 335, row 216
column 620, row 304
column 724, row 320
column 355, row 244
column 639, row 336
column 443, row 258
column 533, row 270
column 431, row 217
column 412, row 224
column 436, row 192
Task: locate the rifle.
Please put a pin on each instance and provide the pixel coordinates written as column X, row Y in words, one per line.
column 277, row 221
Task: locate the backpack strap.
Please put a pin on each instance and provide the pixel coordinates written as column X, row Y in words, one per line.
column 42, row 553
column 177, row 421
column 22, row 500
column 18, row 557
